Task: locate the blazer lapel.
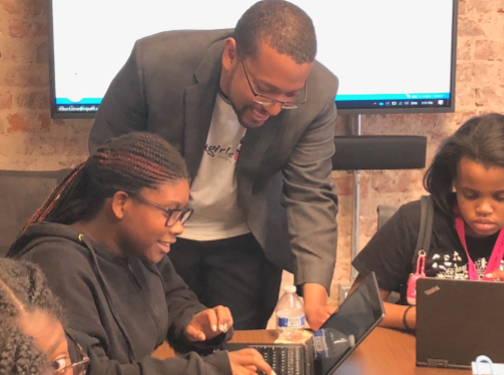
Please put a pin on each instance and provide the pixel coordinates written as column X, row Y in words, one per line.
column 199, row 101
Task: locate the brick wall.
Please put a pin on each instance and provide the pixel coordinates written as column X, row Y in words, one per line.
column 30, row 140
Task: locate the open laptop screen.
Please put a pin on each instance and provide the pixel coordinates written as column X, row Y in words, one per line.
column 359, row 313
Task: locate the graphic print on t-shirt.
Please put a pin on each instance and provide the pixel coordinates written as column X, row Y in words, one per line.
column 453, row 266
column 237, row 153
column 217, row 151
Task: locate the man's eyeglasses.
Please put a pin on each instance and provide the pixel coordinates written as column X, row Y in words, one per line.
column 172, row 215
column 268, row 102
column 77, row 368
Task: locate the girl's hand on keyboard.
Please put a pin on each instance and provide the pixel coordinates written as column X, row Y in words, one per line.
column 209, row 323
column 247, row 362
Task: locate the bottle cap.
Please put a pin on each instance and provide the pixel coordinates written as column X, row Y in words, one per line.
column 290, row 288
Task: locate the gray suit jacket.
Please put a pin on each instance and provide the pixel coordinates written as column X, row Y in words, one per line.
column 168, row 86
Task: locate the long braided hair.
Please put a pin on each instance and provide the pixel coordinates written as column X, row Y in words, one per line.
column 128, row 163
column 23, row 289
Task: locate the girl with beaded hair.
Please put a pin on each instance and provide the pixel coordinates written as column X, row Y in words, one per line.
column 102, row 238
column 32, row 339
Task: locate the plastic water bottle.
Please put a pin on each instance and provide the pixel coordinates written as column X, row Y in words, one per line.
column 331, row 343
column 290, row 315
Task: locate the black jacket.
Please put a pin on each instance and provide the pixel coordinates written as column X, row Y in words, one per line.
column 119, row 309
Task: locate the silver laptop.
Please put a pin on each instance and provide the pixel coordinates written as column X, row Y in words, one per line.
column 338, row 337
column 458, row 320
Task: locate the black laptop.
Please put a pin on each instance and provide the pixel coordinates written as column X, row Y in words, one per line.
column 458, row 320
column 338, row 337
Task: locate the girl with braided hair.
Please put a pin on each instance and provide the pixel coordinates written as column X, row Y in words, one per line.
column 102, row 237
column 32, row 339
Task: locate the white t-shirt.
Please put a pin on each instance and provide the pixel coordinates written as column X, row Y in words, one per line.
column 214, row 190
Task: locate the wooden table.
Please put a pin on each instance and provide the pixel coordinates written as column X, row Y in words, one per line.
column 383, row 352
column 389, row 352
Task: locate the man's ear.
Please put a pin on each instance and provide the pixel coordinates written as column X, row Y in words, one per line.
column 230, row 54
column 119, row 203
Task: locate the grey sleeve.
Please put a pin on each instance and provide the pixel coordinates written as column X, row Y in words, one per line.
column 191, row 363
column 310, row 198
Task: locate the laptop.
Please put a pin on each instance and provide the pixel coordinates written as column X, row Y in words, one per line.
column 458, row 320
column 338, row 337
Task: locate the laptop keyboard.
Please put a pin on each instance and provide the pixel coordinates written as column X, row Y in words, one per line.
column 284, row 360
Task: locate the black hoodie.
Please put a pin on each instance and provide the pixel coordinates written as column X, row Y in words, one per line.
column 119, row 309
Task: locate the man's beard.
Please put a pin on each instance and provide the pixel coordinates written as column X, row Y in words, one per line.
column 239, row 114
column 227, row 98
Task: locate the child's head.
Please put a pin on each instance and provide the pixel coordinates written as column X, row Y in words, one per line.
column 471, row 164
column 32, row 339
column 138, row 183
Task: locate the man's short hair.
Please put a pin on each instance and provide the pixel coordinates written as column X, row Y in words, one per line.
column 282, row 25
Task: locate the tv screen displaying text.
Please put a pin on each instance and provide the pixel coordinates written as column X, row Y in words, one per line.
column 386, row 54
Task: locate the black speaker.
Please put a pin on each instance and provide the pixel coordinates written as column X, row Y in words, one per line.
column 379, row 152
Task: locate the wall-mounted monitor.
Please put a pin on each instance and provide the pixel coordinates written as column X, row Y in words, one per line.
column 391, row 56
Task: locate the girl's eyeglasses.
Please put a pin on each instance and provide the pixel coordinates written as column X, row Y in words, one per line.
column 172, row 215
column 77, row 368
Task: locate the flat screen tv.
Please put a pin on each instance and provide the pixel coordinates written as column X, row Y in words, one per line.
column 391, row 56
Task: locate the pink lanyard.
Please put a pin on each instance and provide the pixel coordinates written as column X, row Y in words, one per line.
column 495, row 258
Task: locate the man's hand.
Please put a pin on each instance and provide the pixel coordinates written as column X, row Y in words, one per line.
column 317, row 315
column 315, row 305
column 209, row 323
column 247, row 362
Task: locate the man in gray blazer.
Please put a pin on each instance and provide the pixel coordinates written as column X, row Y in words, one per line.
column 253, row 114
